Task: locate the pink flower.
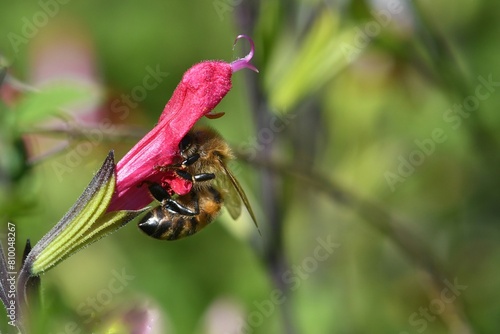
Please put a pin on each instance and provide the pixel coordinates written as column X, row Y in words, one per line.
column 202, row 87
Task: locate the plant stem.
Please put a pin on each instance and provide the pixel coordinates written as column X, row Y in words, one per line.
column 415, row 249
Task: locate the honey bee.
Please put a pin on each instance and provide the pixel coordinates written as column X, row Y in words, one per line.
column 205, row 155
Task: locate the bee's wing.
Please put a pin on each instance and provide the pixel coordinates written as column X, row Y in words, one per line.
column 235, row 194
column 232, row 199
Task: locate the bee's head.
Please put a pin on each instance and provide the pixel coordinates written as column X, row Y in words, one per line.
column 206, row 142
column 186, row 145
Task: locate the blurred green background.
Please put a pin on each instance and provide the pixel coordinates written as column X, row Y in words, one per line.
column 372, row 127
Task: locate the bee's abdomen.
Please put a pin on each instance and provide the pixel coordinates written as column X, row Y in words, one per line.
column 151, row 224
column 161, row 224
column 180, row 227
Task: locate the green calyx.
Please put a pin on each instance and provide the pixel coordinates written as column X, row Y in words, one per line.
column 86, row 222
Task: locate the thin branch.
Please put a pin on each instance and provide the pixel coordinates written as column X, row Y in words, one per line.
column 19, row 85
column 58, row 149
column 270, row 189
column 82, row 133
column 414, row 247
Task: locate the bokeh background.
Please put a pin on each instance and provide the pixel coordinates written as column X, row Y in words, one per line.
column 368, row 146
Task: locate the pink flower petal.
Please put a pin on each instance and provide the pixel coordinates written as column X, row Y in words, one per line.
column 202, row 87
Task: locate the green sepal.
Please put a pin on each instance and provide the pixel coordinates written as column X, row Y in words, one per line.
column 86, row 222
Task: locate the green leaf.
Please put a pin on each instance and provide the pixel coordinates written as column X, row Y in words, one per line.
column 297, row 71
column 37, row 106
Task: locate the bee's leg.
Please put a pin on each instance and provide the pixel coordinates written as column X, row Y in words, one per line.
column 176, row 207
column 181, row 171
column 195, row 178
column 190, row 160
column 158, row 192
column 162, row 196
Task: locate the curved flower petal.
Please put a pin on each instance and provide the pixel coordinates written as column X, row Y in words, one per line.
column 245, row 61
